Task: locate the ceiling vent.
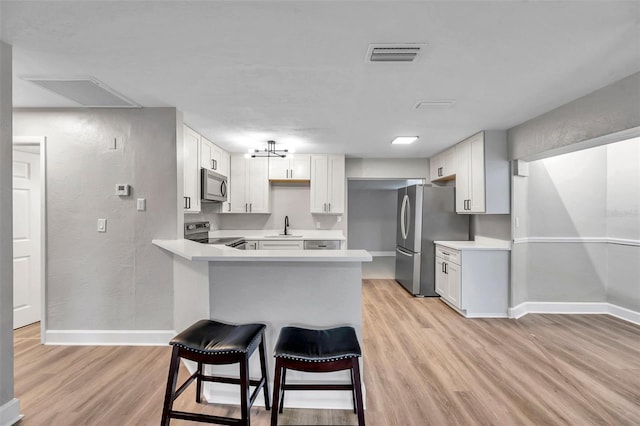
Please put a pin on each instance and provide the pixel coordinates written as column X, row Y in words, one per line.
column 407, row 52
column 87, row 91
column 440, row 103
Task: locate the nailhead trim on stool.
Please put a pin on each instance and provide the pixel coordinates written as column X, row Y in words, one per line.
column 318, row 351
column 214, row 343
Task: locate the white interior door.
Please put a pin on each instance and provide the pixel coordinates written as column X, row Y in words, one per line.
column 26, row 238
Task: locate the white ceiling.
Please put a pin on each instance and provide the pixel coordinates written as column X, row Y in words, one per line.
column 295, row 71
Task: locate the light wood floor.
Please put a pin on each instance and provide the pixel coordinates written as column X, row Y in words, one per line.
column 424, row 365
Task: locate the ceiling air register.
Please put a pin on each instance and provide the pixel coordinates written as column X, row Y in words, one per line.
column 393, row 52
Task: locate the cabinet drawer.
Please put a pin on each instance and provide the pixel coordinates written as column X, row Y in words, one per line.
column 448, row 254
column 322, row 245
column 280, row 245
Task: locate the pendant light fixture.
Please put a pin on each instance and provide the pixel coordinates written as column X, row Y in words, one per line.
column 269, row 151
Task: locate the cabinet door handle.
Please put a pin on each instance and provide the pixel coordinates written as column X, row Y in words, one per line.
column 329, row 206
column 229, row 206
column 324, row 207
column 287, row 173
column 245, row 207
column 442, row 267
column 445, row 268
column 250, row 207
column 291, row 173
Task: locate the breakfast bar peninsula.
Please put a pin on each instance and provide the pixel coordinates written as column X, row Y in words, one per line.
column 305, row 288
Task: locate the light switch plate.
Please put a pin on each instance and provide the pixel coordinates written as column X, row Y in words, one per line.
column 102, row 225
column 141, row 204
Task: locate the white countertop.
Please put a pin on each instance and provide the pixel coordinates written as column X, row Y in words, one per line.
column 191, row 250
column 274, row 234
column 485, row 244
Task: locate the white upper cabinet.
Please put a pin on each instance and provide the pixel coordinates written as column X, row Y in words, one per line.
column 212, row 156
column 327, row 184
column 296, row 168
column 249, row 190
column 443, row 165
column 482, row 174
column 191, row 169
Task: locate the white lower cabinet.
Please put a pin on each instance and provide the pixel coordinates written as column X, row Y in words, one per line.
column 474, row 282
column 281, row 245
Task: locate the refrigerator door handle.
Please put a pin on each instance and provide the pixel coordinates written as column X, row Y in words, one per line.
column 404, row 252
column 404, row 216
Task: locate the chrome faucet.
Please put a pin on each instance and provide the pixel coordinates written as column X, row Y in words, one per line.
column 286, row 224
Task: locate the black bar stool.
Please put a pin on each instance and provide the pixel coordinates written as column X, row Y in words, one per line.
column 212, row 342
column 317, row 351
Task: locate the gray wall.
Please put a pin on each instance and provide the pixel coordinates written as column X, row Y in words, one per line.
column 372, row 219
column 593, row 196
column 115, row 280
column 608, row 110
column 6, row 228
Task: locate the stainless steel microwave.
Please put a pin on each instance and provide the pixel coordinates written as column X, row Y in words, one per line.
column 214, row 186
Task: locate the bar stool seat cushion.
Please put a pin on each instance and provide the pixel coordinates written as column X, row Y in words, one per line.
column 302, row 344
column 213, row 337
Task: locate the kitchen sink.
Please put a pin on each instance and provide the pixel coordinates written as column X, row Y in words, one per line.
column 283, row 236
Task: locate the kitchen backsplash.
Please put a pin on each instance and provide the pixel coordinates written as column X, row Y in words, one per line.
column 286, row 200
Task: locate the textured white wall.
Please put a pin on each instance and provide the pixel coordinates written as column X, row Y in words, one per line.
column 387, row 168
column 115, row 280
column 608, row 110
column 287, row 199
column 623, row 189
column 6, row 228
column 568, row 195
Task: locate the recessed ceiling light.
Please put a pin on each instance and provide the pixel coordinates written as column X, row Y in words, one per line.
column 404, row 140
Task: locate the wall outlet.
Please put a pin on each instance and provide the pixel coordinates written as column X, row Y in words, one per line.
column 317, row 225
column 339, row 218
column 102, row 225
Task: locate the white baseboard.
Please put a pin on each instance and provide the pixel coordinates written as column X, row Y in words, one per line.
column 524, row 308
column 10, row 413
column 624, row 314
column 108, row 337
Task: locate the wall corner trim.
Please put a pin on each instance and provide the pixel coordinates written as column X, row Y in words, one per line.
column 10, row 413
column 569, row 308
column 109, row 337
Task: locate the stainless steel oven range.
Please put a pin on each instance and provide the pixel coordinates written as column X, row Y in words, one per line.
column 199, row 232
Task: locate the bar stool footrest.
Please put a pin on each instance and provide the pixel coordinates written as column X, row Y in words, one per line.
column 206, row 418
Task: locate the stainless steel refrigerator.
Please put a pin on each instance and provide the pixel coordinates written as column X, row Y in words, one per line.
column 426, row 214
